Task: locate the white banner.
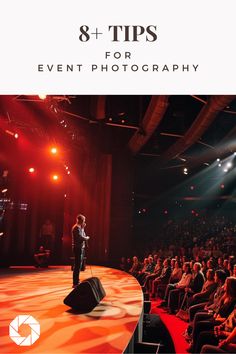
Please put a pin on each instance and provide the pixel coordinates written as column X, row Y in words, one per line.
column 117, row 47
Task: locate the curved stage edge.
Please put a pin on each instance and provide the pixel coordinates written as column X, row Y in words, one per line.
column 109, row 328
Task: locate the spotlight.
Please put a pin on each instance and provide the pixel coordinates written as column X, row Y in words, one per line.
column 42, row 97
column 54, row 150
column 218, row 160
column 225, row 170
column 31, row 170
column 1, row 234
column 234, row 153
column 229, row 164
column 185, row 171
column 219, row 165
column 55, row 177
column 4, row 190
column 222, row 186
column 68, row 172
column 16, row 136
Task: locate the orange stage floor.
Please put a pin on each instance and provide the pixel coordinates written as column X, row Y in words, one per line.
column 40, row 293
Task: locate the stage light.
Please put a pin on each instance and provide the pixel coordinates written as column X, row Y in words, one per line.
column 54, row 150
column 229, row 164
column 68, row 172
column 16, row 136
column 42, row 97
column 225, row 170
column 55, row 177
column 4, row 190
column 1, row 234
column 218, row 160
column 185, row 170
column 222, row 186
column 234, row 153
column 192, row 188
column 31, row 170
column 219, row 165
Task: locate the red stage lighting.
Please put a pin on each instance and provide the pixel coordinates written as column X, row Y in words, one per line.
column 42, row 97
column 31, row 170
column 54, row 150
column 55, row 177
column 16, row 135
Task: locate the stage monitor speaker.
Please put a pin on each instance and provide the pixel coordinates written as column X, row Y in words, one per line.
column 86, row 296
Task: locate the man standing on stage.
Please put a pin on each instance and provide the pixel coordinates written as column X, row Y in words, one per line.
column 78, row 246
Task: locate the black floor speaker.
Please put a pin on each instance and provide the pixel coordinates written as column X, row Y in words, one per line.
column 86, row 296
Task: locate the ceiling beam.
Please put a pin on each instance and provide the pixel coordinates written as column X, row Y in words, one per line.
column 208, row 113
column 98, row 107
column 153, row 116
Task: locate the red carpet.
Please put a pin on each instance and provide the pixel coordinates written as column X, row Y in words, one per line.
column 174, row 325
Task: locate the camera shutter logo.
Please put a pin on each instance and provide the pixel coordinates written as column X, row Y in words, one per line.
column 14, row 328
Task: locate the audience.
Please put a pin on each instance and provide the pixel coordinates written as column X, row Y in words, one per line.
column 199, row 263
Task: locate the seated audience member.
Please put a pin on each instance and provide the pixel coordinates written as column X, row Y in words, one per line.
column 227, row 303
column 171, row 298
column 210, row 264
column 163, row 279
column 128, row 264
column 208, row 288
column 205, row 310
column 156, row 273
column 218, row 333
column 204, row 266
column 135, row 266
column 41, row 257
column 234, row 271
column 225, row 267
column 143, row 266
column 227, row 345
column 197, row 280
column 176, row 273
column 220, row 261
column 149, row 270
column 231, row 269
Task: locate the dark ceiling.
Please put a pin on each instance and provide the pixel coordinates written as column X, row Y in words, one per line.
column 166, row 130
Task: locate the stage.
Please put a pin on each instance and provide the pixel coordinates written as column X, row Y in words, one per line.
column 40, row 293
